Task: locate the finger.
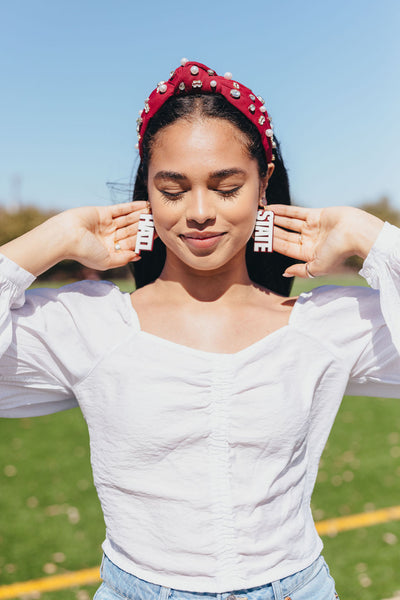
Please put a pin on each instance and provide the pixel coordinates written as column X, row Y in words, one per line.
column 125, row 245
column 125, row 208
column 126, row 232
column 287, row 210
column 122, row 257
column 293, row 250
column 289, row 223
column 298, row 270
column 126, row 220
column 287, row 236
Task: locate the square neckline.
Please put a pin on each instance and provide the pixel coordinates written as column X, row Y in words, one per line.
column 190, row 349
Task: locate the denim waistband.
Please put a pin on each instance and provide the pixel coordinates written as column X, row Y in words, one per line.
column 131, row 587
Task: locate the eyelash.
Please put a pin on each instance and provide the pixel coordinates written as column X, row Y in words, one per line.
column 171, row 198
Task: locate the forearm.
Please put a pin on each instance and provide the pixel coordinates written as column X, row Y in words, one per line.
column 42, row 247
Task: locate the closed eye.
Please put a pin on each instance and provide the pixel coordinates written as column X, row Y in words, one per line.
column 229, row 193
column 170, row 196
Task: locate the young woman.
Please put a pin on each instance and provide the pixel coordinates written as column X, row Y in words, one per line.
column 208, row 394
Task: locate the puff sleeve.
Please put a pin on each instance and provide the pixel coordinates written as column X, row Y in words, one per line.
column 50, row 339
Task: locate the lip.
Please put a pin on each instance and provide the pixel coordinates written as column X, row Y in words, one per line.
column 202, row 239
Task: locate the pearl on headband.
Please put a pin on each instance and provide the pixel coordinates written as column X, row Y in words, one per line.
column 192, row 77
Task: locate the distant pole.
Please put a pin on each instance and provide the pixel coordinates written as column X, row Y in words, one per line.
column 15, row 192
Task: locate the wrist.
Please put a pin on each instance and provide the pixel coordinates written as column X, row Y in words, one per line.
column 64, row 229
column 362, row 230
column 42, row 247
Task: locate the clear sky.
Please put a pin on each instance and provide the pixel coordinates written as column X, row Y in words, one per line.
column 74, row 75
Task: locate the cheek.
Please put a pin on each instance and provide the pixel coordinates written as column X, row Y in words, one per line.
column 245, row 211
column 165, row 217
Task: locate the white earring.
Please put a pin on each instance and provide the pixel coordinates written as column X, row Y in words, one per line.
column 264, row 230
column 145, row 234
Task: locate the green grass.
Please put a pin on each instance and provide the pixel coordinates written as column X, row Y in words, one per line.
column 50, row 518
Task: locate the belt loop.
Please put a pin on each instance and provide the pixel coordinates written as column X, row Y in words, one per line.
column 164, row 593
column 102, row 565
column 276, row 586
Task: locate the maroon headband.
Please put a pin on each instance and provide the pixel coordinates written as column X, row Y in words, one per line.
column 192, row 77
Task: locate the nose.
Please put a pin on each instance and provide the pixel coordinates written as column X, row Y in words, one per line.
column 201, row 209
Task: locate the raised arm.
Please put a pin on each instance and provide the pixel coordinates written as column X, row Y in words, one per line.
column 322, row 238
column 87, row 235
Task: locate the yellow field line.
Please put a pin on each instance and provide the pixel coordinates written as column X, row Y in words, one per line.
column 49, row 584
column 333, row 526
column 89, row 576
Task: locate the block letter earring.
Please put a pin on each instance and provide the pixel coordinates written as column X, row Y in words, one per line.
column 264, row 230
column 145, row 234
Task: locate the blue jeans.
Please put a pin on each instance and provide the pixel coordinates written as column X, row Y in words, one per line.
column 312, row 583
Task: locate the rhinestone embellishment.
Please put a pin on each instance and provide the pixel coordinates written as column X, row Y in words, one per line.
column 235, row 94
column 197, row 83
column 269, row 133
column 162, row 87
column 210, row 72
column 261, row 120
column 236, row 85
column 263, row 109
column 261, row 99
column 194, row 70
column 252, row 108
column 213, row 83
column 182, row 86
column 252, row 97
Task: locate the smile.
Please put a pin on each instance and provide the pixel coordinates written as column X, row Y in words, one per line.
column 202, row 239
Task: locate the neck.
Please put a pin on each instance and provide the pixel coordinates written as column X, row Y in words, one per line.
column 226, row 283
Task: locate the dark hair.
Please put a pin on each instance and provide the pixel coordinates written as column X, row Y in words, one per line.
column 264, row 269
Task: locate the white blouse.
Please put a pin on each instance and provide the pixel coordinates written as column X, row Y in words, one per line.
column 204, row 463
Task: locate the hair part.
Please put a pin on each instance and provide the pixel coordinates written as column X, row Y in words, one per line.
column 264, row 269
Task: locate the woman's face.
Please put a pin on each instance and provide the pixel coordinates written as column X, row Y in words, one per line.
column 204, row 190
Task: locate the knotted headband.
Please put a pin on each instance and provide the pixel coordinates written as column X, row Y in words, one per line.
column 193, row 77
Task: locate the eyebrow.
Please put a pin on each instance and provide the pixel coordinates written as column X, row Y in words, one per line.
column 222, row 174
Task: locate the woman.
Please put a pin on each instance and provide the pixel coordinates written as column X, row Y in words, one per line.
column 208, row 397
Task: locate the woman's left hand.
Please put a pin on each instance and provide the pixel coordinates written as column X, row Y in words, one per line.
column 322, row 237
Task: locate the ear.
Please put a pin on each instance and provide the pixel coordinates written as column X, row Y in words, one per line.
column 264, row 184
column 270, row 170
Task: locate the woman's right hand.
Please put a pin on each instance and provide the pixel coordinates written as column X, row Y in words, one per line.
column 97, row 230
column 87, row 235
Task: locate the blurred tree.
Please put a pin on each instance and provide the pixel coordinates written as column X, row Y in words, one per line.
column 383, row 209
column 15, row 223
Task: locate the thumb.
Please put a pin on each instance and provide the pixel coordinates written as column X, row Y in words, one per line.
column 299, row 270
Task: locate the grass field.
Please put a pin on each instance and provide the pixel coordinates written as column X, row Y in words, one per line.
column 50, row 519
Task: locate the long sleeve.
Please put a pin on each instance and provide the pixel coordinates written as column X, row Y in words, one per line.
column 360, row 326
column 29, row 385
column 51, row 338
column 377, row 371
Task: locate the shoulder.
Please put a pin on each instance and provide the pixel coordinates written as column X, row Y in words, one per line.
column 80, row 323
column 86, row 304
column 338, row 313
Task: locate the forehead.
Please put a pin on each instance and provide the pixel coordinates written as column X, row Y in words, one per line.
column 211, row 144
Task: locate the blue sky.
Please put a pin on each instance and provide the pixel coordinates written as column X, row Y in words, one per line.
column 74, row 76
